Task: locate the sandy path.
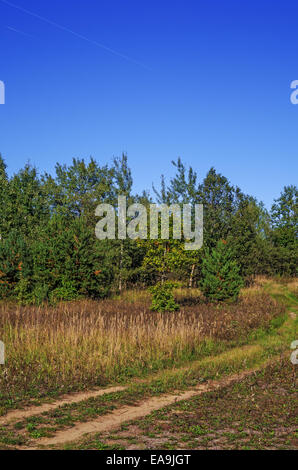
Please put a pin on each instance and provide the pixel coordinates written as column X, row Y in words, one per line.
column 127, row 413
column 17, row 415
column 27, row 412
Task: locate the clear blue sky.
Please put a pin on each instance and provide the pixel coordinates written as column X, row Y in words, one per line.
column 205, row 80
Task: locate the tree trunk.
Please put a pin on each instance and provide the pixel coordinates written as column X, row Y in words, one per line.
column 191, row 275
column 120, row 266
column 164, row 261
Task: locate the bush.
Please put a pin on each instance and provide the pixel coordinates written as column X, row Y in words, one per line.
column 163, row 297
column 220, row 274
column 66, row 292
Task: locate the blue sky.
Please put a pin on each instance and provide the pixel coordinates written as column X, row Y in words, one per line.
column 205, row 80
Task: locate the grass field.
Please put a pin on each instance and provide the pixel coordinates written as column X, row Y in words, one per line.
column 86, row 345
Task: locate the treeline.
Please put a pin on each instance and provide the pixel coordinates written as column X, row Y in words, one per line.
column 48, row 248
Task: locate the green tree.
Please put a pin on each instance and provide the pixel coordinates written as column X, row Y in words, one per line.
column 284, row 217
column 248, row 238
column 15, row 264
column 24, row 202
column 78, row 188
column 163, row 297
column 221, row 201
column 220, row 274
column 75, row 258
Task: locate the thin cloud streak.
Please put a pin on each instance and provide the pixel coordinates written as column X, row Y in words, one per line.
column 78, row 35
column 19, row 32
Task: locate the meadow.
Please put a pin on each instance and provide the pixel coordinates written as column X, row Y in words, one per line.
column 112, row 374
column 78, row 345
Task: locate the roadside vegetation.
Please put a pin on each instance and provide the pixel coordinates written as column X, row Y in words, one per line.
column 262, row 343
column 82, row 344
column 258, row 413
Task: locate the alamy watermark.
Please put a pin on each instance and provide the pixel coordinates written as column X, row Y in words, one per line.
column 2, row 92
column 133, row 222
column 294, row 355
column 2, row 353
column 294, row 94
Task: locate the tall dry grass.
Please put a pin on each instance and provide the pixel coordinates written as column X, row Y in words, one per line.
column 85, row 343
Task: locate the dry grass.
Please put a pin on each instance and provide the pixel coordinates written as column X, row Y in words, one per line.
column 81, row 344
column 293, row 287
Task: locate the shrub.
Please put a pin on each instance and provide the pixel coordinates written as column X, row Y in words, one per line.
column 163, row 297
column 220, row 274
column 66, row 292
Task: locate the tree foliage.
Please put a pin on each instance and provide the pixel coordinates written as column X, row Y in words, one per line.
column 220, row 274
column 48, row 248
column 163, row 297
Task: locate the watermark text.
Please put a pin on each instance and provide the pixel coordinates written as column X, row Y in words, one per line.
column 132, row 222
column 294, row 355
column 294, row 94
column 2, row 353
column 2, row 92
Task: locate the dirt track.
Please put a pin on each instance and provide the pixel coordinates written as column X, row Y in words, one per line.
column 127, row 413
column 67, row 399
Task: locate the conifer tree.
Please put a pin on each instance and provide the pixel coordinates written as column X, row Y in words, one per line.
column 220, row 274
